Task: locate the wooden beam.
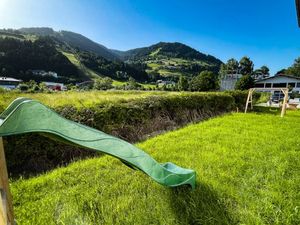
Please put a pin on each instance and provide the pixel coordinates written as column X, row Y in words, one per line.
column 286, row 96
column 6, row 208
column 284, row 90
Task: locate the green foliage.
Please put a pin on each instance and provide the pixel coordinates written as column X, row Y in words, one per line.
column 205, row 81
column 245, row 83
column 265, row 70
column 23, row 87
column 231, row 67
column 294, row 69
column 242, row 178
column 246, row 66
column 183, row 84
column 103, row 83
column 132, row 84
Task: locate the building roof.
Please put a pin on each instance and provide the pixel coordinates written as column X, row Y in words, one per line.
column 9, row 79
column 279, row 75
column 298, row 11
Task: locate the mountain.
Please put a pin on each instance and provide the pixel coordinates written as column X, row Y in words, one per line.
column 171, row 59
column 24, row 51
column 75, row 57
column 73, row 40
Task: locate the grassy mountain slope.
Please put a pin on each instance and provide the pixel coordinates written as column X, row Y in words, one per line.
column 171, row 59
column 242, row 178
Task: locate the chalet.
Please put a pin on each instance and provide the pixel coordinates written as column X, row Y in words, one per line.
column 9, row 83
column 280, row 81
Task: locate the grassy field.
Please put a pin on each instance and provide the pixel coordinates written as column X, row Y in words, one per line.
column 79, row 99
column 248, row 172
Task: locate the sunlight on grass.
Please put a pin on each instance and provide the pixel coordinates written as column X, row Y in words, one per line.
column 79, row 99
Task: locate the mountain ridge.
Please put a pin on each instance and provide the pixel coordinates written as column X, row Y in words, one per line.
column 163, row 60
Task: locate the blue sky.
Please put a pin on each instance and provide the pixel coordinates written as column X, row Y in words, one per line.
column 264, row 30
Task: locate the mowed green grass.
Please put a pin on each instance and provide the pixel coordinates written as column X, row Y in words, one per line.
column 79, row 98
column 248, row 172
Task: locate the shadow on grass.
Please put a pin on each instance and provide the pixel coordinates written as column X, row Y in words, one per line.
column 266, row 110
column 200, row 206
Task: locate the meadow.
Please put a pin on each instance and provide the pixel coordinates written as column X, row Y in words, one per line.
column 248, row 172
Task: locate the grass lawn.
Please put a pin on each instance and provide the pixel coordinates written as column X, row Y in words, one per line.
column 79, row 99
column 248, row 172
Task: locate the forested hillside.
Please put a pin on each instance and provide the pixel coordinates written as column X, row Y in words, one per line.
column 19, row 57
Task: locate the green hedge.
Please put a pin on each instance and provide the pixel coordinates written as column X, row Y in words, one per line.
column 133, row 121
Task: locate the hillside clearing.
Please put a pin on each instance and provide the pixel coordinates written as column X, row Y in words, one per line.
column 248, row 172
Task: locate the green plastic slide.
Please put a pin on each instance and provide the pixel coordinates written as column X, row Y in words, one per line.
column 28, row 116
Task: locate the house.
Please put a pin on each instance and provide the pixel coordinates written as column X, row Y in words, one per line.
column 280, row 81
column 228, row 81
column 9, row 83
column 55, row 86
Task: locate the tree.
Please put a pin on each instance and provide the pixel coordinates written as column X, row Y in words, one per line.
column 294, row 69
column 103, row 83
column 244, row 83
column 132, row 84
column 183, row 84
column 282, row 71
column 205, row 81
column 231, row 67
column 246, row 66
column 265, row 70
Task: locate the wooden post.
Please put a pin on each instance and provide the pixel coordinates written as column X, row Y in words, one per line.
column 286, row 95
column 6, row 209
column 248, row 99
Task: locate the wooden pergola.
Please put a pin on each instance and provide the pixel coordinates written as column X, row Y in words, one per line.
column 285, row 99
column 298, row 11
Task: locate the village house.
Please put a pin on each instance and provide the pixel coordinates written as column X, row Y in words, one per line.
column 9, row 83
column 280, row 81
column 55, row 86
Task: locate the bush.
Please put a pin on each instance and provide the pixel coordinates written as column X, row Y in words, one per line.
column 205, row 81
column 129, row 120
column 103, row 83
column 244, row 83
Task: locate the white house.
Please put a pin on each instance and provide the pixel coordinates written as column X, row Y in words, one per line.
column 9, row 82
column 280, row 81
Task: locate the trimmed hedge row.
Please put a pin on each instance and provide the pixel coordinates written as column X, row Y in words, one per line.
column 133, row 121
